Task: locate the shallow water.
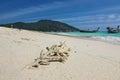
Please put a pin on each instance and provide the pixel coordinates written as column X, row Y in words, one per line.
column 104, row 36
column 91, row 34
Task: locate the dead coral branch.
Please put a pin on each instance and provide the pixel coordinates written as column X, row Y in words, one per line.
column 55, row 53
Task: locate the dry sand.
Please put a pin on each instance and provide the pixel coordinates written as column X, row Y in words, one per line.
column 90, row 60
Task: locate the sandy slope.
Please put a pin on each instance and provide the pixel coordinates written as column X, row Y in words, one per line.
column 93, row 60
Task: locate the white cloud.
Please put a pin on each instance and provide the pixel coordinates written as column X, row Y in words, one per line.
column 112, row 16
column 33, row 9
column 93, row 19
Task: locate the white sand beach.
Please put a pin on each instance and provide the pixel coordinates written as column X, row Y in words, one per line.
column 89, row 60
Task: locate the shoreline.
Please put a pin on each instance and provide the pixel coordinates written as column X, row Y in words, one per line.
column 93, row 38
column 97, row 38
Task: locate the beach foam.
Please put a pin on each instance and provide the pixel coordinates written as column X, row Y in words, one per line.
column 108, row 38
column 113, row 38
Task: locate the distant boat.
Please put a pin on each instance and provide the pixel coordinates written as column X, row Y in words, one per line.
column 111, row 30
column 90, row 31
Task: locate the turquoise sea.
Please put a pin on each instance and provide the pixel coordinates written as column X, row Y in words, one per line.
column 102, row 35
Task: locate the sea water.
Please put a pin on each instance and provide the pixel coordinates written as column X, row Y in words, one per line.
column 102, row 35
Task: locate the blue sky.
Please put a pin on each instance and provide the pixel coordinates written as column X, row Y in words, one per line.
column 79, row 13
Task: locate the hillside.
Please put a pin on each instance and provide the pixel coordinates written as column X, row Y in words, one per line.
column 43, row 25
